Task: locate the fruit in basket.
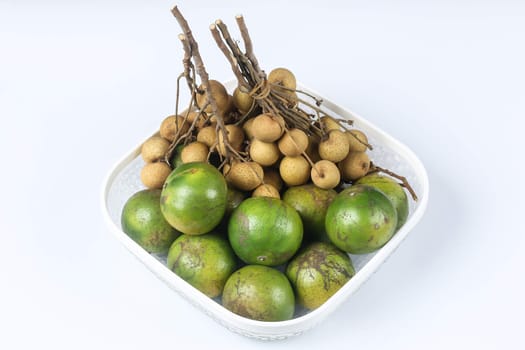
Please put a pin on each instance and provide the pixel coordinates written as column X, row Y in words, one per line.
column 242, row 100
column 335, row 147
column 354, row 166
column 357, row 139
column 294, row 171
column 153, row 175
column 265, row 231
column 204, row 261
column 325, row 174
column 245, row 176
column 219, row 93
column 311, row 202
column 267, row 128
column 194, row 198
column 142, row 221
column 293, row 143
column 154, row 149
column 208, row 136
column 393, row 190
column 317, row 272
column 282, row 77
column 235, row 136
column 360, row 219
column 194, row 152
column 266, row 190
column 264, row 153
column 172, row 126
column 259, row 293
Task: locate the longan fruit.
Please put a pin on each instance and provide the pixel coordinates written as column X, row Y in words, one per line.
column 294, row 171
column 329, row 123
column 153, row 175
column 357, row 140
column 171, row 125
column 242, row 100
column 267, row 128
column 194, row 152
column 264, row 153
column 266, row 190
column 282, row 77
column 235, row 138
column 247, row 127
column 245, row 176
column 208, row 136
column 354, row 166
column 293, row 143
column 335, row 148
column 194, row 115
column 154, row 149
column 325, row 174
column 272, row 177
column 219, row 93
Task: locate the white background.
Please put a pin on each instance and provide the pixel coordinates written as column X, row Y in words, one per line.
column 81, row 83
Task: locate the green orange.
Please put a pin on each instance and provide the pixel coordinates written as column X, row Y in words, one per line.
column 393, row 190
column 265, row 231
column 142, row 220
column 260, row 293
column 194, row 197
column 311, row 202
column 317, row 272
column 204, row 261
column 361, row 219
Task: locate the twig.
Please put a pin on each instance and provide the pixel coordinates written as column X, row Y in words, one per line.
column 404, row 182
column 201, row 71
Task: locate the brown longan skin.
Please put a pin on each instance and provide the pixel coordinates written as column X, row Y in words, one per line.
column 294, row 171
column 354, row 166
column 293, row 143
column 357, row 140
column 153, row 175
column 171, row 125
column 264, row 153
column 235, row 136
column 267, row 128
column 208, row 136
column 220, row 95
column 242, row 100
column 335, row 148
column 330, row 124
column 245, row 176
column 266, row 190
column 325, row 174
column 283, row 77
column 154, row 149
column 194, row 152
column 201, row 119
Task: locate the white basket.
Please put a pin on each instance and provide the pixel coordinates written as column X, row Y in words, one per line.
column 124, row 180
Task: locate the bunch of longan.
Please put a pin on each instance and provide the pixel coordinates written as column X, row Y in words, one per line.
column 264, row 150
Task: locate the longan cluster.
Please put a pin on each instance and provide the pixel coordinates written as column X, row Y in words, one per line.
column 264, row 152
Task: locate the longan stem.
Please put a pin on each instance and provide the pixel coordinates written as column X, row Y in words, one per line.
column 201, row 71
column 404, row 182
column 248, row 46
column 233, row 62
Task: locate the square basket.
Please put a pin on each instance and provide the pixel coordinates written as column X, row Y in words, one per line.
column 123, row 181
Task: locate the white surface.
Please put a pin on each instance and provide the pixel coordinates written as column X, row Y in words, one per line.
column 80, row 83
